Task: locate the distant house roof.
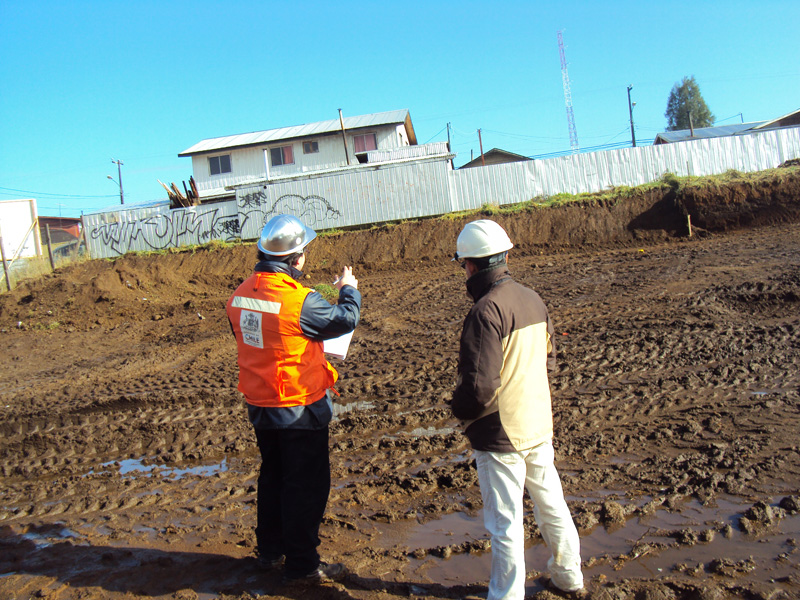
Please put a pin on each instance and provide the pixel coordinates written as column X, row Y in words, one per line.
column 299, row 131
column 682, row 135
column 61, row 230
column 59, row 222
column 790, row 120
column 495, row 156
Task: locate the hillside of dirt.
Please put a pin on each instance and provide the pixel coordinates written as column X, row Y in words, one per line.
column 128, row 466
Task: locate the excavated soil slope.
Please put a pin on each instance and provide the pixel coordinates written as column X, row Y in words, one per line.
column 128, row 466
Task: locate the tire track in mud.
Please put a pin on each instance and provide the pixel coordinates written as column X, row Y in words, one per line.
column 693, row 379
column 75, row 451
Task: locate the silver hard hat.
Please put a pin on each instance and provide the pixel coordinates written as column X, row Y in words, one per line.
column 284, row 234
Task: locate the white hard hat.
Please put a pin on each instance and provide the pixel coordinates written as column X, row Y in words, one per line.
column 481, row 238
column 284, row 235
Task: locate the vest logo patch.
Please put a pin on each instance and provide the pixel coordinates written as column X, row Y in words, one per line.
column 250, row 324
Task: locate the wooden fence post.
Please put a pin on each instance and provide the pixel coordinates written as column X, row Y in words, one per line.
column 50, row 248
column 5, row 264
column 85, row 241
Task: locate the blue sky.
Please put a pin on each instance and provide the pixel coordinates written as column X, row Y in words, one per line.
column 84, row 82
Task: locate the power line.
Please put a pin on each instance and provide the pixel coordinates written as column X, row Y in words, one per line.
column 588, row 149
column 524, row 137
column 53, row 196
column 437, row 133
column 729, row 118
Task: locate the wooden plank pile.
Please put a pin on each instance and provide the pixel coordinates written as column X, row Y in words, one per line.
column 190, row 197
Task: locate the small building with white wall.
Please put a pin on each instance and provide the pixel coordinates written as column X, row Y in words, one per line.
column 18, row 229
column 218, row 164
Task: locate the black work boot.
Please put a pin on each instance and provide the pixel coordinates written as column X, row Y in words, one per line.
column 322, row 574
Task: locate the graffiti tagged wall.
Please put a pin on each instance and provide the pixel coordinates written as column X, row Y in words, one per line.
column 312, row 210
column 158, row 228
column 358, row 196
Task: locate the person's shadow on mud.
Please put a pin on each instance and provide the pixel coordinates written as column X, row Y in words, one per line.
column 152, row 572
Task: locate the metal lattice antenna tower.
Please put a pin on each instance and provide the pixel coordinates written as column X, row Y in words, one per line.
column 573, row 133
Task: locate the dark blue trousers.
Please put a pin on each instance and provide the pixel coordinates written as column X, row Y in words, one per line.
column 293, row 487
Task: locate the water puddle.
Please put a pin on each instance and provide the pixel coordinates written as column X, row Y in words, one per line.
column 340, row 409
column 134, row 467
column 454, row 528
column 45, row 540
column 626, row 459
column 781, row 386
column 439, row 461
column 420, row 432
column 598, row 495
column 643, row 547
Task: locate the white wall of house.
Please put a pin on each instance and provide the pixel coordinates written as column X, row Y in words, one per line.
column 247, row 164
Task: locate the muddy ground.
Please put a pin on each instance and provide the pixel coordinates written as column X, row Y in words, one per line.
column 128, row 467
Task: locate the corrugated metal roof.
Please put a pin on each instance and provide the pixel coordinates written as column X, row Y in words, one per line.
column 285, row 133
column 792, row 116
column 683, row 135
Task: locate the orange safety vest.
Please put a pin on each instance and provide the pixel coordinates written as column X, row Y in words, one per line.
column 278, row 364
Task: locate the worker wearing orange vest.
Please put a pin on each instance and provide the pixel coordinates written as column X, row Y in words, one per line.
column 280, row 327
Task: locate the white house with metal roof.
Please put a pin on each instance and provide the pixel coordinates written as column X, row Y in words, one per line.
column 218, row 164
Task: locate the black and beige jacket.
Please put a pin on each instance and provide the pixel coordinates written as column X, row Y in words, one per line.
column 507, row 348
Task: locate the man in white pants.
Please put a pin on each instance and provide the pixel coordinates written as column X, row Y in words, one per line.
column 503, row 395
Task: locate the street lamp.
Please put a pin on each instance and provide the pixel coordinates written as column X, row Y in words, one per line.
column 119, row 164
column 630, row 111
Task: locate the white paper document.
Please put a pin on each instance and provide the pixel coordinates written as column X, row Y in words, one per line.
column 337, row 347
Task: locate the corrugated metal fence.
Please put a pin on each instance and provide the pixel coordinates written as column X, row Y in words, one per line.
column 597, row 171
column 418, row 188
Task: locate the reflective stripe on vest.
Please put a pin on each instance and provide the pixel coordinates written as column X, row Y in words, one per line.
column 278, row 365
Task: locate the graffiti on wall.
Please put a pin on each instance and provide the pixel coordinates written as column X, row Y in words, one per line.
column 314, row 211
column 168, row 230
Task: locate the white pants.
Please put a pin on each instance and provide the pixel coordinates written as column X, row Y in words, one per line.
column 502, row 478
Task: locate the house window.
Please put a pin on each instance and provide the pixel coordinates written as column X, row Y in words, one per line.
column 219, row 164
column 281, row 156
column 365, row 142
column 310, row 147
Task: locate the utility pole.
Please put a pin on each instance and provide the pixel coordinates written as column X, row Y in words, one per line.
column 480, row 141
column 449, row 147
column 630, row 111
column 344, row 138
column 119, row 164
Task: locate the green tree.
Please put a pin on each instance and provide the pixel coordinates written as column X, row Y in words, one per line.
column 686, row 99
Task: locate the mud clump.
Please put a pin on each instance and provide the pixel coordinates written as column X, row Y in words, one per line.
column 761, row 517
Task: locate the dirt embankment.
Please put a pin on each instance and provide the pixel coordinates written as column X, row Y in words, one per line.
column 654, row 215
column 128, row 467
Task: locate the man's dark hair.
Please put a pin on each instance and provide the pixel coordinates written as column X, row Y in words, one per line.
column 289, row 259
column 488, row 262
